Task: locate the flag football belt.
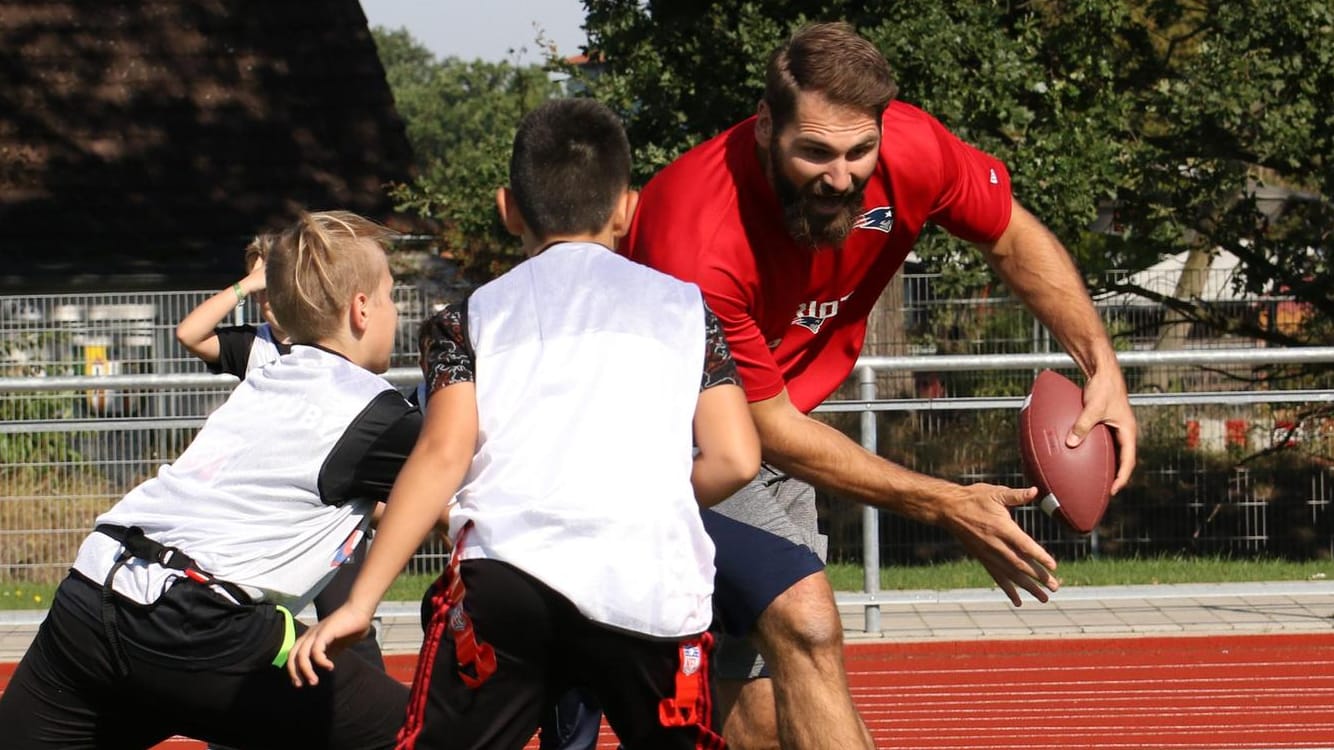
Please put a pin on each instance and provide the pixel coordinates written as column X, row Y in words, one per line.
column 689, row 706
column 135, row 544
column 476, row 660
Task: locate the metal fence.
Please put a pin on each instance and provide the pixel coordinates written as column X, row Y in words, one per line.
column 67, row 453
column 70, row 446
column 1189, row 495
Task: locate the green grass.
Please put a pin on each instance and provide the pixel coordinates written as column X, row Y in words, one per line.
column 25, row 595
column 952, row 575
column 1104, row 572
column 970, row 575
column 408, row 588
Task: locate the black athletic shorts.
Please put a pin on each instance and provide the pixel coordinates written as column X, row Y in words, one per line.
column 544, row 647
column 193, row 663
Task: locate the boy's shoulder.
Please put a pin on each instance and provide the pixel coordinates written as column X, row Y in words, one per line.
column 243, row 331
column 584, row 263
column 582, row 276
column 310, row 367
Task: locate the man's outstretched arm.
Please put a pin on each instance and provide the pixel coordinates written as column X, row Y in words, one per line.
column 977, row 514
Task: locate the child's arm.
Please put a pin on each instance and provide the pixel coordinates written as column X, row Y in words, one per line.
column 430, row 477
column 196, row 331
column 728, row 452
column 728, row 447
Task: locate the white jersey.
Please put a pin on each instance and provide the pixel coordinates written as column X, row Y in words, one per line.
column 277, row 487
column 588, row 372
column 245, row 348
column 265, row 349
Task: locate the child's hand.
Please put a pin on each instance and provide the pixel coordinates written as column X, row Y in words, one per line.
column 317, row 646
column 254, row 281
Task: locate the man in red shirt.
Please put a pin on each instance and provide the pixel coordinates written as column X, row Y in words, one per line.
column 793, row 222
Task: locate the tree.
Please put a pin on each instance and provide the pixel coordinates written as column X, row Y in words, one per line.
column 460, row 118
column 1137, row 129
column 1179, row 118
column 1191, row 126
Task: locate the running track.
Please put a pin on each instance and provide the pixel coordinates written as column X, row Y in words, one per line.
column 1242, row 692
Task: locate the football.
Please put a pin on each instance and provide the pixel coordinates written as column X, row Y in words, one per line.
column 1074, row 483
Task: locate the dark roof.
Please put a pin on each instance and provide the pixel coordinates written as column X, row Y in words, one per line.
column 149, row 140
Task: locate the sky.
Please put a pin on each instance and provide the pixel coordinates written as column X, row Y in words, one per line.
column 488, row 30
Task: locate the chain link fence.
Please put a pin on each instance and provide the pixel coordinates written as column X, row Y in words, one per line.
column 1242, row 472
column 67, row 455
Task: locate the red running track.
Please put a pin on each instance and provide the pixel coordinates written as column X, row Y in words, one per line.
column 1239, row 692
column 1172, row 693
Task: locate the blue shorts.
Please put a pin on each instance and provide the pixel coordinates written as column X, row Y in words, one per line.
column 754, row 567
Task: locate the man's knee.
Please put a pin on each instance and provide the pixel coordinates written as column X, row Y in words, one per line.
column 803, row 619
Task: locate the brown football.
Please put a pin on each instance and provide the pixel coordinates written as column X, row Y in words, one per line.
column 1075, row 484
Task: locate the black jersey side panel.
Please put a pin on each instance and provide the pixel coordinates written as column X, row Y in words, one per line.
column 367, row 458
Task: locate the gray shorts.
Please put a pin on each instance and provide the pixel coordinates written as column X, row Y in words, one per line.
column 782, row 506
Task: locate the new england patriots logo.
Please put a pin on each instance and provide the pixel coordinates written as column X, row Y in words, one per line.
column 809, row 322
column 812, row 315
column 880, row 219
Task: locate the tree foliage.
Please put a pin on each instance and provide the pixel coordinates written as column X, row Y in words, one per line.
column 1135, row 128
column 460, row 118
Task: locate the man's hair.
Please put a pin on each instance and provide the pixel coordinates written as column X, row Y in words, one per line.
column 258, row 250
column 315, row 266
column 571, row 161
column 833, row 60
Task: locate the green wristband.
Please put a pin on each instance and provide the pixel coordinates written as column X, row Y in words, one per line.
column 240, row 294
column 289, row 638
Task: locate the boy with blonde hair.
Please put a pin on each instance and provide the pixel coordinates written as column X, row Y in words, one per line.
column 177, row 615
column 238, row 349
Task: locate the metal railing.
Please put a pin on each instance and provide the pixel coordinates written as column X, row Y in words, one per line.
column 71, row 444
column 72, row 463
column 868, row 405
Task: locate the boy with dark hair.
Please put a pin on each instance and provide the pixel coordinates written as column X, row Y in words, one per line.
column 176, row 617
column 563, row 400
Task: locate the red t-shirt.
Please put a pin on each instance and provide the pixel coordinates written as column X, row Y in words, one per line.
column 795, row 316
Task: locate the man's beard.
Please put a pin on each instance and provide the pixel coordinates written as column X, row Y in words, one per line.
column 807, row 225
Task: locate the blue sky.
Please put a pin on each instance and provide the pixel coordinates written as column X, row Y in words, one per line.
column 487, row 30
